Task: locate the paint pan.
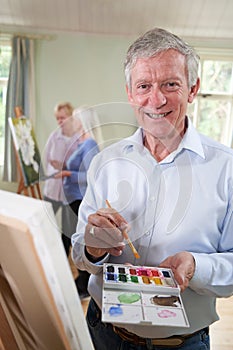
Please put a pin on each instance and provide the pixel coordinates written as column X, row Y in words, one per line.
column 141, row 295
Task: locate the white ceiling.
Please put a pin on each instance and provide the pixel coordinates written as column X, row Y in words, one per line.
column 208, row 19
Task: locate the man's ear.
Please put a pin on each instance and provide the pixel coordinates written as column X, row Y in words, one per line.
column 193, row 91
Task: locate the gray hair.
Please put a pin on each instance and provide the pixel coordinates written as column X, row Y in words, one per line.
column 90, row 121
column 158, row 40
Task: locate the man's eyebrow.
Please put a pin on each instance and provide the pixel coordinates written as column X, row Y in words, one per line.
column 141, row 81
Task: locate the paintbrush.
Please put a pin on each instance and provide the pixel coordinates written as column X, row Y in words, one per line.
column 125, row 235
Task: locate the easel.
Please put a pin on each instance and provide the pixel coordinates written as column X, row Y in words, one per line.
column 35, row 188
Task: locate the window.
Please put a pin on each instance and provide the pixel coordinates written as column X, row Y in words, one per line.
column 212, row 112
column 5, row 58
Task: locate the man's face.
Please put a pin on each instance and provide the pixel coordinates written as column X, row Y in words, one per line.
column 159, row 93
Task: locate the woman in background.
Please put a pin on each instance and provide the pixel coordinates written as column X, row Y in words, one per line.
column 74, row 176
column 60, row 145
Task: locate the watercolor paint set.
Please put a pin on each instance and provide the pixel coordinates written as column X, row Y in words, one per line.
column 141, row 295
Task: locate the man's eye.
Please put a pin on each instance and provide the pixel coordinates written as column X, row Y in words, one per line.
column 171, row 86
column 143, row 87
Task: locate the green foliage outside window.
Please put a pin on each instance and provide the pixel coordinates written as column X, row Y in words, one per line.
column 211, row 111
column 216, row 77
column 5, row 57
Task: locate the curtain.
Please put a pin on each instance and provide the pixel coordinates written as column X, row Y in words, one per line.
column 20, row 92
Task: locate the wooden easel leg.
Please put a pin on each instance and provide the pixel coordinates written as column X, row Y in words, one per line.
column 38, row 190
column 33, row 191
column 22, row 188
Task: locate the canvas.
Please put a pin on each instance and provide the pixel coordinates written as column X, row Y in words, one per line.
column 38, row 296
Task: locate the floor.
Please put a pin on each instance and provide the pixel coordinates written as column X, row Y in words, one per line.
column 221, row 332
column 85, row 305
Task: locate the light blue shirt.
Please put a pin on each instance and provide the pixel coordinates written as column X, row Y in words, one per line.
column 183, row 203
column 75, row 185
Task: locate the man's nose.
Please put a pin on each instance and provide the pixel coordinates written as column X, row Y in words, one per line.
column 157, row 98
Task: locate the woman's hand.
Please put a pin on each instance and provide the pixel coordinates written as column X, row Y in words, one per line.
column 62, row 174
column 56, row 164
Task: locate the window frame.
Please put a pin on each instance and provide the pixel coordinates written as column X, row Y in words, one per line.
column 216, row 55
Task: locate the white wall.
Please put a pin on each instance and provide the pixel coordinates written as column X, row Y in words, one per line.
column 85, row 70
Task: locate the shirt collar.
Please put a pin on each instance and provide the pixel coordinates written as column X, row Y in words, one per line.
column 191, row 141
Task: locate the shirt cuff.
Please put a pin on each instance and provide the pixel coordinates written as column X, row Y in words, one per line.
column 202, row 274
column 96, row 266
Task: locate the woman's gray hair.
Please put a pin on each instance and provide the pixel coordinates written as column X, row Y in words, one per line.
column 90, row 122
column 158, row 40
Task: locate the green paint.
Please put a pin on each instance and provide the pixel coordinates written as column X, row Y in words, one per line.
column 129, row 298
column 134, row 279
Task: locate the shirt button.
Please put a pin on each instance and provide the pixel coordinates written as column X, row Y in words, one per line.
column 152, row 199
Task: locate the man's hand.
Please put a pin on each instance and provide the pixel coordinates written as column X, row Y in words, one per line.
column 103, row 233
column 183, row 267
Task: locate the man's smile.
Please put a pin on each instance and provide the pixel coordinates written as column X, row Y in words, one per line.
column 156, row 115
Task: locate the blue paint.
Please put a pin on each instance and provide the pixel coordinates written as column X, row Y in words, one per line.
column 115, row 310
column 111, row 277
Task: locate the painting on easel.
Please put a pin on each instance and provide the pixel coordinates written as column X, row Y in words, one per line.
column 26, row 148
column 25, row 145
column 28, row 158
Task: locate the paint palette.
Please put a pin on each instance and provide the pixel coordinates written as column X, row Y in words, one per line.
column 141, row 295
